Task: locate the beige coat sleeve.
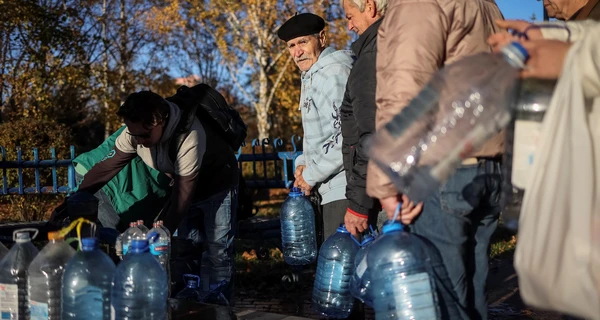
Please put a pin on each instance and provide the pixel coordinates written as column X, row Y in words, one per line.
column 411, row 47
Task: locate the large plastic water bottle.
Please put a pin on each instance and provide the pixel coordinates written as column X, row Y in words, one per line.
column 464, row 105
column 86, row 284
column 298, row 229
column 139, row 289
column 331, row 292
column 45, row 278
column 14, row 297
column 132, row 233
column 160, row 247
column 359, row 285
column 406, row 275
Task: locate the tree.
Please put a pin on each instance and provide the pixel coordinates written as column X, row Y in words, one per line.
column 257, row 62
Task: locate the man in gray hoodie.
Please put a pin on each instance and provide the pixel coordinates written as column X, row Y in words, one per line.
column 325, row 72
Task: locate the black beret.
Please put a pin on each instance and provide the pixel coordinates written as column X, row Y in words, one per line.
column 301, row 25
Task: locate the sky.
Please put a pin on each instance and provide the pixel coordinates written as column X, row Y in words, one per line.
column 521, row 9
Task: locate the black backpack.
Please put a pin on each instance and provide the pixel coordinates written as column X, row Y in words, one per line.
column 204, row 102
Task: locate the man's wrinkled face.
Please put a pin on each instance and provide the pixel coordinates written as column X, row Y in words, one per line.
column 306, row 50
column 148, row 136
column 357, row 21
column 557, row 8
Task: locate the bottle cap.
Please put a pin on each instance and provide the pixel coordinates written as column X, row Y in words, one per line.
column 55, row 235
column 392, row 227
column 89, row 244
column 295, row 192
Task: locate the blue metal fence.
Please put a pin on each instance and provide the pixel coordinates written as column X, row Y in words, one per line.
column 271, row 163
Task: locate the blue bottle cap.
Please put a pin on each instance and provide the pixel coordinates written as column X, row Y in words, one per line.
column 295, row 192
column 192, row 280
column 342, row 229
column 521, row 49
column 89, row 244
column 139, row 246
column 367, row 239
column 152, row 236
column 515, row 54
column 390, row 227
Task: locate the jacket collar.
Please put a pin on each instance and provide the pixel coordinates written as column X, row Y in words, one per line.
column 172, row 121
column 365, row 39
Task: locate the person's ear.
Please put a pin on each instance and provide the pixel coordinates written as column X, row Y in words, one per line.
column 371, row 8
column 322, row 38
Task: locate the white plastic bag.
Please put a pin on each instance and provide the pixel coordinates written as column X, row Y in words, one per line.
column 558, row 248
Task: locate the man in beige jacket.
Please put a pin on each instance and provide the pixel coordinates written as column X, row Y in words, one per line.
column 415, row 40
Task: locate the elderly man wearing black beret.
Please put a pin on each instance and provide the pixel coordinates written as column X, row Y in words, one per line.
column 324, row 74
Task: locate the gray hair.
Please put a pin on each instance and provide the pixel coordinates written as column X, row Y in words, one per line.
column 381, row 5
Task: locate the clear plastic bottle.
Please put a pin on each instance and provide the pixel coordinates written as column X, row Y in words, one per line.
column 140, row 224
column 298, row 229
column 132, row 233
column 45, row 278
column 139, row 290
column 406, row 275
column 331, row 292
column 160, row 247
column 522, row 139
column 162, row 226
column 14, row 293
column 359, row 285
column 86, row 283
column 464, row 105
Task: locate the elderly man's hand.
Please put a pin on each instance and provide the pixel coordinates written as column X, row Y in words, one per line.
column 299, row 170
column 354, row 223
column 408, row 212
column 546, row 58
column 499, row 40
column 302, row 184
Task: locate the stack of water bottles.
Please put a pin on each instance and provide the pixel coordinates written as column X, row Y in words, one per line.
column 60, row 283
column 402, row 276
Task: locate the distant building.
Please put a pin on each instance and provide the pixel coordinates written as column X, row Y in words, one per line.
column 188, row 81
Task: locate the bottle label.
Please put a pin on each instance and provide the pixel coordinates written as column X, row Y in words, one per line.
column 89, row 298
column 9, row 301
column 38, row 310
column 125, row 249
column 527, row 137
column 159, row 248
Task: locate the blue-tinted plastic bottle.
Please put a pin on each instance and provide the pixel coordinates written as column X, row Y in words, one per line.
column 403, row 280
column 359, row 285
column 14, row 293
column 139, row 289
column 298, row 229
column 331, row 292
column 86, row 284
column 192, row 288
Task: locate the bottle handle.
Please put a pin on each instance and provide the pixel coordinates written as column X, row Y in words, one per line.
column 356, row 240
column 35, row 232
column 397, row 212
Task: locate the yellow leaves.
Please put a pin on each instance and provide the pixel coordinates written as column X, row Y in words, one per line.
column 166, row 19
column 250, row 256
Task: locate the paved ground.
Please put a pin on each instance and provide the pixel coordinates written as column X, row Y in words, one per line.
column 505, row 302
